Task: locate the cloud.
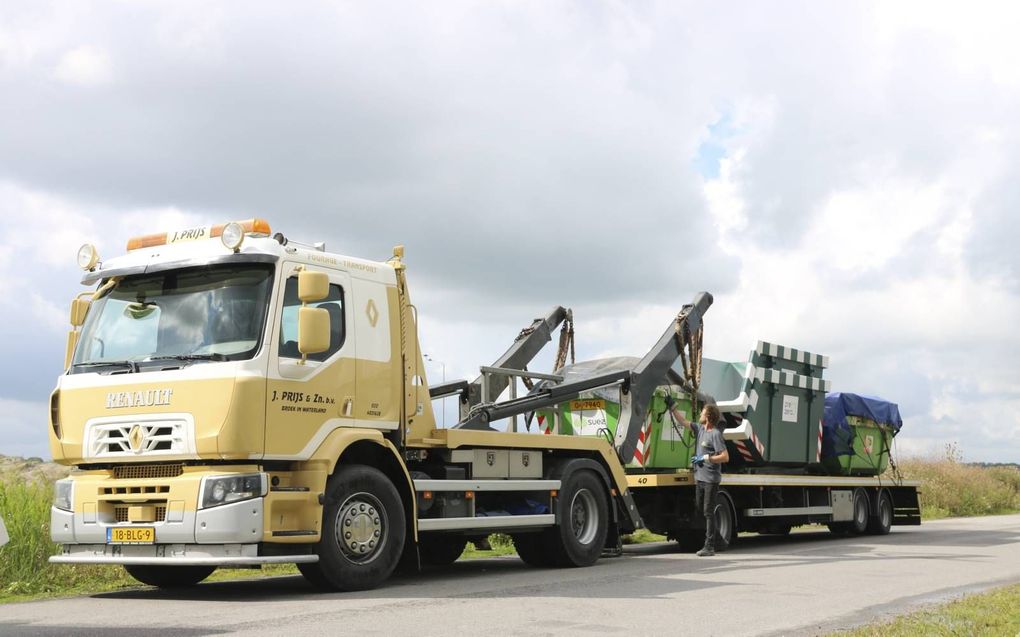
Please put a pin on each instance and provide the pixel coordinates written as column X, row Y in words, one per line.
column 84, row 66
column 23, row 428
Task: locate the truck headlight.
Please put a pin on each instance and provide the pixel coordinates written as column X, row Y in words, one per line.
column 217, row 490
column 63, row 494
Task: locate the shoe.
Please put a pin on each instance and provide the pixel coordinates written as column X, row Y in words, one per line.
column 706, row 552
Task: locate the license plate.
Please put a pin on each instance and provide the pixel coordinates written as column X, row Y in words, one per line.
column 587, row 405
column 130, row 535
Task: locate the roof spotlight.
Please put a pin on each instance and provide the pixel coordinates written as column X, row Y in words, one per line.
column 232, row 236
column 88, row 257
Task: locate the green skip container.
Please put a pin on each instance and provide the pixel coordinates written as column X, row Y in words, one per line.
column 662, row 443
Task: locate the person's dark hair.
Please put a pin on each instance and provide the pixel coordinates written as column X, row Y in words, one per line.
column 712, row 412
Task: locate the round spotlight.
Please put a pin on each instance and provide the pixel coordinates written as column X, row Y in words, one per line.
column 88, row 257
column 232, row 236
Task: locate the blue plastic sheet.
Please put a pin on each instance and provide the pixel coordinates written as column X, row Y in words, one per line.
column 836, row 434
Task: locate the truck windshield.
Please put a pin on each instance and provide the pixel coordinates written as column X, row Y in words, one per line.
column 196, row 314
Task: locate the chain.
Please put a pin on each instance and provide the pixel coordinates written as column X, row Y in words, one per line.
column 689, row 345
column 566, row 343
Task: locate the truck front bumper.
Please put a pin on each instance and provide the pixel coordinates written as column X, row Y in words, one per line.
column 237, row 555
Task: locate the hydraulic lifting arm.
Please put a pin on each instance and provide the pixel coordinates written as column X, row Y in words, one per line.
column 681, row 340
column 528, row 344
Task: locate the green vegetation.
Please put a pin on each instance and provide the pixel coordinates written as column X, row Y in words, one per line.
column 501, row 545
column 951, row 488
column 992, row 613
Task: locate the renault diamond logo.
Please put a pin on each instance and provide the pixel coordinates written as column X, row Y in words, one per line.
column 135, row 438
column 372, row 312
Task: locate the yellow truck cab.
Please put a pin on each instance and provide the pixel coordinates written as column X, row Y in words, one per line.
column 232, row 398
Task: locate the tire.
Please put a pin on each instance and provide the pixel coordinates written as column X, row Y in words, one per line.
column 440, row 550
column 777, row 529
column 169, row 576
column 881, row 524
column 690, row 541
column 838, row 529
column 725, row 523
column 859, row 524
column 362, row 531
column 533, row 549
column 583, row 513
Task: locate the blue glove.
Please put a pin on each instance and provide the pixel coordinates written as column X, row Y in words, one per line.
column 699, row 461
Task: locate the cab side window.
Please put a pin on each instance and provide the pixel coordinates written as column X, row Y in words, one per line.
column 334, row 304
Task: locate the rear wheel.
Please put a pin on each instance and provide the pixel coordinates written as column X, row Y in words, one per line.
column 690, row 541
column 533, row 549
column 441, row 550
column 584, row 520
column 881, row 524
column 362, row 531
column 860, row 522
column 725, row 524
column 169, row 576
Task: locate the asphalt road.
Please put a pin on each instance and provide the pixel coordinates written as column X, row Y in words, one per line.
column 807, row 583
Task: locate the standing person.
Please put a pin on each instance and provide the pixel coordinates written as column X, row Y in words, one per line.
column 709, row 455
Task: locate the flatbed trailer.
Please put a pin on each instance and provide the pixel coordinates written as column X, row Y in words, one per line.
column 235, row 399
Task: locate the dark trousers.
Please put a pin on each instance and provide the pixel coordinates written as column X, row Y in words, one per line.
column 707, row 495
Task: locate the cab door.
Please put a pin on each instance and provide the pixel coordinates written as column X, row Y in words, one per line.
column 307, row 397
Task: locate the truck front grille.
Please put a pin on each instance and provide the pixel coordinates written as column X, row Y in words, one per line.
column 120, row 513
column 140, row 435
column 144, row 471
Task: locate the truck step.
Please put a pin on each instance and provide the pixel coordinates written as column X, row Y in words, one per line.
column 293, row 533
column 289, row 489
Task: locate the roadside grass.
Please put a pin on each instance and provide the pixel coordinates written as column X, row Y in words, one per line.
column 991, row 613
column 950, row 488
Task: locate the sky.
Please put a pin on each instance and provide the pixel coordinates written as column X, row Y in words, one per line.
column 843, row 177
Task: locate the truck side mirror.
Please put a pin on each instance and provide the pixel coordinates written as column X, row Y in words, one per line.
column 313, row 330
column 79, row 308
column 312, row 286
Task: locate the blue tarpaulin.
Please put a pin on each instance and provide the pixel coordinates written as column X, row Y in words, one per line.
column 836, row 434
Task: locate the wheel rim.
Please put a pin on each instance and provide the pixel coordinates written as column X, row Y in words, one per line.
column 723, row 523
column 886, row 513
column 860, row 511
column 584, row 516
column 360, row 529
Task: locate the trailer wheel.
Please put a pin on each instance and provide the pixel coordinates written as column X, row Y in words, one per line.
column 533, row 549
column 859, row 524
column 881, row 524
column 168, row 576
column 362, row 531
column 690, row 541
column 584, row 520
column 725, row 523
column 441, row 550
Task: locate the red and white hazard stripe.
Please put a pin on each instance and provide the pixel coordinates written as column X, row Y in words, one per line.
column 745, row 450
column 644, row 444
column 546, row 424
column 818, row 453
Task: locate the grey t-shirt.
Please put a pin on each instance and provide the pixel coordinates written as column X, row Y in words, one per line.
column 709, row 442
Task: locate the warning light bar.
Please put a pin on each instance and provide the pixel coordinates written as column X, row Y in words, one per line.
column 255, row 227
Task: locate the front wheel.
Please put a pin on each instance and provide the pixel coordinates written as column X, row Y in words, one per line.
column 362, row 531
column 168, row 576
column 579, row 537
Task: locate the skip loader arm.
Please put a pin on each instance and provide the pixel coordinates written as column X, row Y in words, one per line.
column 525, row 347
column 682, row 339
